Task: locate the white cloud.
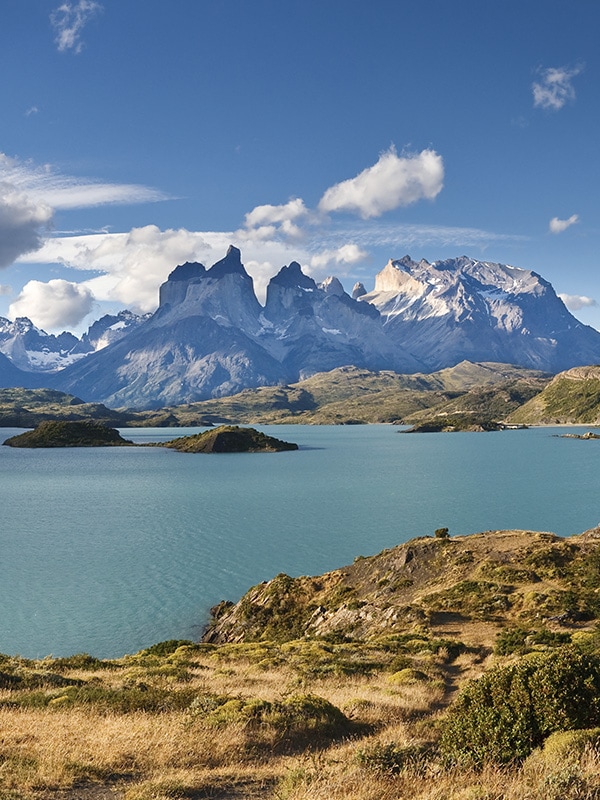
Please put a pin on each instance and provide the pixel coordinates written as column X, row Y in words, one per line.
column 392, row 182
column 557, row 225
column 270, row 215
column 68, row 21
column 574, row 302
column 32, row 110
column 554, row 89
column 134, row 264
column 20, row 221
column 346, row 254
column 46, row 185
column 53, row 305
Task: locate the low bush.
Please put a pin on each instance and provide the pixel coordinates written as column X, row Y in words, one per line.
column 294, row 717
column 509, row 711
column 390, row 758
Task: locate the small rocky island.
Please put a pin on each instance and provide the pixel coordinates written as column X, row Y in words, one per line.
column 230, row 439
column 588, row 435
column 89, row 433
column 60, row 433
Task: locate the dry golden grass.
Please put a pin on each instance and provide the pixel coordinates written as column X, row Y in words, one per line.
column 88, row 752
column 64, row 746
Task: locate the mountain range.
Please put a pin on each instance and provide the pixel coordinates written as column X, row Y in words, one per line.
column 210, row 336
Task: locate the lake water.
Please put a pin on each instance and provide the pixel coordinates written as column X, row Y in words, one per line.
column 110, row 550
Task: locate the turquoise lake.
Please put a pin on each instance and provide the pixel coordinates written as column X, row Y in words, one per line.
column 110, row 550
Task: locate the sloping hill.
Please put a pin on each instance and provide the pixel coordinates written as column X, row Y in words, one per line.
column 350, row 394
column 467, row 588
column 572, row 397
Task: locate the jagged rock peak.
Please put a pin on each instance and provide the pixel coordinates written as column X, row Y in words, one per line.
column 293, row 277
column 332, row 285
column 358, row 290
column 230, row 265
column 187, row 271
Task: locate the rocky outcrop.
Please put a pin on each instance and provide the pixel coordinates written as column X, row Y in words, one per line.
column 432, row 585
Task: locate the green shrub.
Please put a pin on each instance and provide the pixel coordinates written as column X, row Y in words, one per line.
column 390, row 758
column 520, row 640
column 166, row 648
column 502, row 716
column 441, row 533
column 118, row 700
column 561, row 748
column 295, row 716
column 408, row 676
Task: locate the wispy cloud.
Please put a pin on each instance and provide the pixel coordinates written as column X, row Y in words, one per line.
column 31, row 111
column 575, row 302
column 555, row 88
column 69, row 20
column 5, row 290
column 557, row 225
column 392, row 182
column 46, row 185
column 400, row 235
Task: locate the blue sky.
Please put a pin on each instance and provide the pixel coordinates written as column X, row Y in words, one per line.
column 138, row 134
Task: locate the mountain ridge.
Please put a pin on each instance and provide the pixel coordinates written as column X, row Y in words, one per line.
column 210, row 337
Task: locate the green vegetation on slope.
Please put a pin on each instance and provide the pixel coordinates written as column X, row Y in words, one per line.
column 352, row 395
column 571, row 397
column 534, row 581
column 438, row 669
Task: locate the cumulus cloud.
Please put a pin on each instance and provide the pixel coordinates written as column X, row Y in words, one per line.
column 69, row 20
column 53, row 305
column 271, row 215
column 134, row 264
column 555, row 88
column 557, row 225
column 575, row 302
column 346, row 254
column 392, row 182
column 20, row 221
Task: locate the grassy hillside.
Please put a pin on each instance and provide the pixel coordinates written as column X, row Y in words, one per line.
column 352, row 395
column 26, row 408
column 343, row 396
column 333, row 687
column 570, row 397
column 482, row 405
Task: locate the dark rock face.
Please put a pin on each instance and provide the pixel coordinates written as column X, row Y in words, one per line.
column 230, row 439
column 69, row 434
